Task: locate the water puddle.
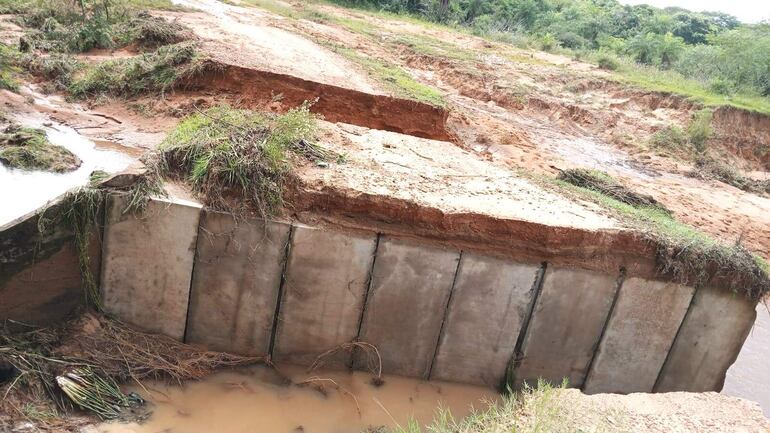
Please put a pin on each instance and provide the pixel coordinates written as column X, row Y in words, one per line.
column 259, row 400
column 22, row 192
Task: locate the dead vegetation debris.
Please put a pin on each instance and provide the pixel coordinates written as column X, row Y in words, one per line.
column 79, row 364
column 711, row 169
column 602, row 183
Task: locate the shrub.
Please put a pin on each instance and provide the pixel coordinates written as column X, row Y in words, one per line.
column 699, row 129
column 671, row 137
column 608, row 62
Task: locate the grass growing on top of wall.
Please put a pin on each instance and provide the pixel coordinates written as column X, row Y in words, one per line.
column 237, row 160
column 29, row 149
column 687, row 254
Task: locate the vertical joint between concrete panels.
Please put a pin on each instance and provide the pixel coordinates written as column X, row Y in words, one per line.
column 518, row 350
column 368, row 289
column 618, row 285
column 447, row 307
column 279, row 298
column 676, row 337
column 198, row 237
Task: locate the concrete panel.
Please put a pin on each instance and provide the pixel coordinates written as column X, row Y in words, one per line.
column 489, row 302
column 565, row 326
column 235, row 283
column 323, row 294
column 147, row 263
column 406, row 305
column 638, row 336
column 708, row 342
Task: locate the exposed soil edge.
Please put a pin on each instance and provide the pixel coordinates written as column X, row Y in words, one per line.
column 524, row 241
column 606, row 250
column 337, row 104
column 743, row 133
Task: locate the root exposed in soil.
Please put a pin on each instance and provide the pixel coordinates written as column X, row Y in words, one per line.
column 94, row 349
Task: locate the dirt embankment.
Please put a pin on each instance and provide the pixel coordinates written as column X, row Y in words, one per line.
column 745, row 134
column 258, row 88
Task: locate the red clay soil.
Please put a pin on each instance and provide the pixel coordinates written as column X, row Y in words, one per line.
column 257, row 88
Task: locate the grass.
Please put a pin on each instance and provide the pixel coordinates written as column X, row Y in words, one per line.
column 689, row 143
column 237, row 160
column 684, row 253
column 54, row 26
column 541, row 409
column 58, row 68
column 155, row 72
column 654, row 79
column 394, row 78
column 8, row 68
column 29, row 149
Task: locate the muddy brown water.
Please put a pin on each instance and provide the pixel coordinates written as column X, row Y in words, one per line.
column 260, row 400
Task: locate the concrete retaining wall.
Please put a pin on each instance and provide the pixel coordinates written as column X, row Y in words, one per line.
column 323, row 294
column 638, row 336
column 147, row 263
column 293, row 292
column 40, row 278
column 708, row 342
column 235, row 283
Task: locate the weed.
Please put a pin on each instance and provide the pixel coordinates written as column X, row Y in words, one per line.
column 608, row 61
column 79, row 211
column 671, row 138
column 699, row 129
column 535, row 409
column 29, row 149
column 157, row 72
column 8, row 68
column 236, row 160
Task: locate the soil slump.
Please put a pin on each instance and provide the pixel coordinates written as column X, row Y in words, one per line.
column 259, row 400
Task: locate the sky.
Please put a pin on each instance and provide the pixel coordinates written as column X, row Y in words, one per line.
column 748, row 11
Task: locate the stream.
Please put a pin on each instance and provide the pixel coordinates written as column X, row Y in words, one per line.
column 23, row 191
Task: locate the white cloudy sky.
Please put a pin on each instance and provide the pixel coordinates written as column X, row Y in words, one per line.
column 749, row 11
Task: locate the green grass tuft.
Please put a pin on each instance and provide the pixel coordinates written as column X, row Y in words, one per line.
column 155, row 72
column 29, row 149
column 237, row 160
